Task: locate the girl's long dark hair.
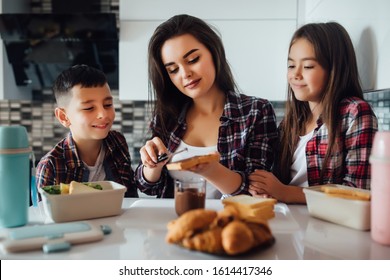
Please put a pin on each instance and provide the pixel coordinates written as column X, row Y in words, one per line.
column 335, row 53
column 168, row 101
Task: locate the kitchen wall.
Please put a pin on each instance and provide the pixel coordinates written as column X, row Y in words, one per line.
column 368, row 23
column 132, row 118
column 255, row 34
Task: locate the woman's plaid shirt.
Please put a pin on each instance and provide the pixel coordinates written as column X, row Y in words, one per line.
column 246, row 141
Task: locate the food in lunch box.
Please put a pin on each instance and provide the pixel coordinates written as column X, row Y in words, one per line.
column 191, row 162
column 52, row 189
column 346, row 193
column 76, row 187
column 251, row 208
column 222, row 232
column 64, row 188
column 72, row 188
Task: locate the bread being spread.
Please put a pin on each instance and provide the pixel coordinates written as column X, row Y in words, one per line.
column 193, row 161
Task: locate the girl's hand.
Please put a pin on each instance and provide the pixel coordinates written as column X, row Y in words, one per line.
column 265, row 184
column 257, row 194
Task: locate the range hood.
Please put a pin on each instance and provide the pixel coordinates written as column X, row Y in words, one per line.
column 40, row 46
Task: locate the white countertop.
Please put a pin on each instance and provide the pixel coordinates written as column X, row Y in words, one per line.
column 139, row 233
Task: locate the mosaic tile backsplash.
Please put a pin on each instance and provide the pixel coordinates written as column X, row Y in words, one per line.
column 132, row 119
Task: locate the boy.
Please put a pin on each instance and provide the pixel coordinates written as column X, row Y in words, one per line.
column 91, row 151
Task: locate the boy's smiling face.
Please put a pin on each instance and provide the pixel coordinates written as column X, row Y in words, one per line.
column 89, row 113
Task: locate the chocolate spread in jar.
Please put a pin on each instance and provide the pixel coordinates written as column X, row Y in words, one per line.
column 188, row 199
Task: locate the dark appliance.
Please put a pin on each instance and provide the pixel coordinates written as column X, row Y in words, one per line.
column 40, row 46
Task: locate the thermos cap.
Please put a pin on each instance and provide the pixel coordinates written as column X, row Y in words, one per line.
column 13, row 137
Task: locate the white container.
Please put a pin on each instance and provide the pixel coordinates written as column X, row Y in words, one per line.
column 347, row 212
column 83, row 206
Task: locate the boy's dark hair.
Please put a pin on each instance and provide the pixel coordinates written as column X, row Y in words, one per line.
column 83, row 75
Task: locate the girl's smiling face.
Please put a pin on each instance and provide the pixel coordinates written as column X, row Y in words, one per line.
column 189, row 64
column 306, row 77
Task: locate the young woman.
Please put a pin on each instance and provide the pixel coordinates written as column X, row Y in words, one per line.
column 197, row 107
column 328, row 128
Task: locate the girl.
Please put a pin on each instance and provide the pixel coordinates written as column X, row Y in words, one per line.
column 197, row 108
column 328, row 128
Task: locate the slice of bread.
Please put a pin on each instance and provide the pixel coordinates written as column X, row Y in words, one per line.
column 76, row 187
column 252, row 209
column 249, row 201
column 191, row 162
column 346, row 193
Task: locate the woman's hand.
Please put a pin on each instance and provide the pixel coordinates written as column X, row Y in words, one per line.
column 265, row 184
column 206, row 169
column 150, row 151
column 149, row 154
column 225, row 180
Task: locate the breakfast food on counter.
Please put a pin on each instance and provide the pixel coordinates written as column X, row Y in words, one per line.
column 72, row 188
column 191, row 162
column 346, row 193
column 76, row 187
column 237, row 238
column 209, row 241
column 251, row 208
column 188, row 223
column 222, row 232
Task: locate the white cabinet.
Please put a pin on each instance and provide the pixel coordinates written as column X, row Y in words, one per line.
column 133, row 70
column 257, row 51
column 256, row 34
column 368, row 24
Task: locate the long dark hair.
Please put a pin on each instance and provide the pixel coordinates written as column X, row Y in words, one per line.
column 335, row 53
column 167, row 99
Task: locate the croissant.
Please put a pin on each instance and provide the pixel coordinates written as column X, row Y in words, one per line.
column 218, row 233
column 189, row 223
column 237, row 238
column 225, row 216
column 262, row 234
column 209, row 241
